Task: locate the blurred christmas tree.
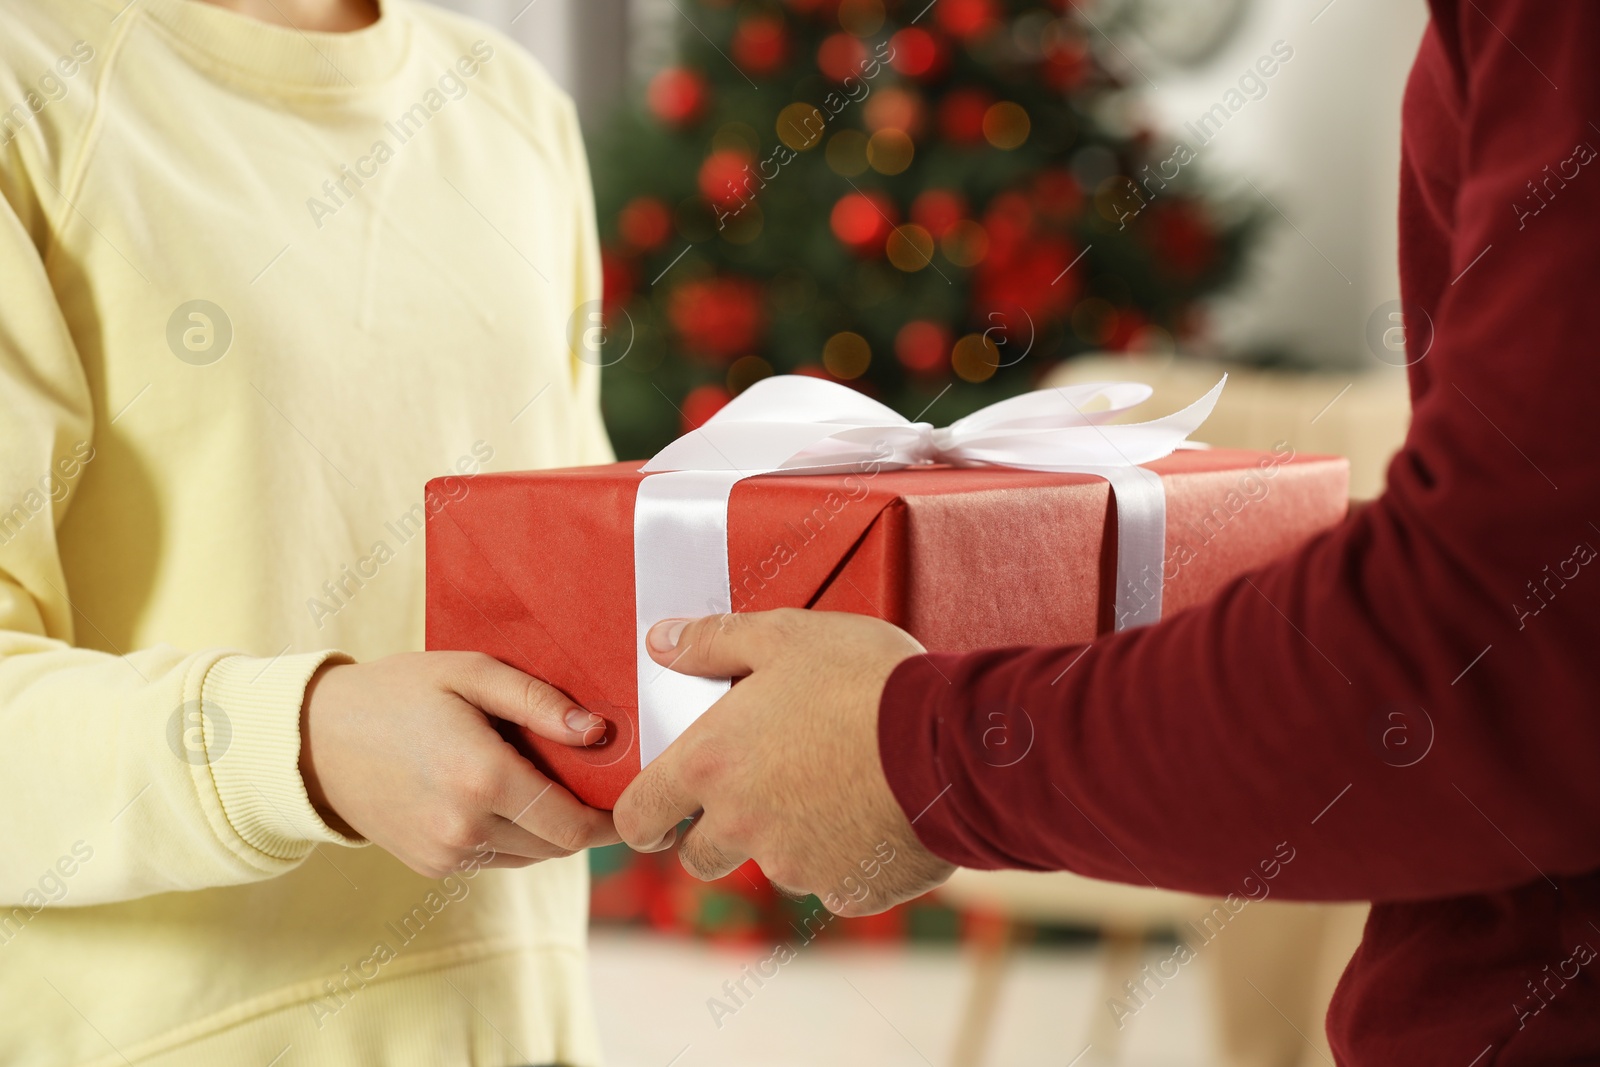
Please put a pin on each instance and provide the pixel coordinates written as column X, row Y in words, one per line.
column 930, row 201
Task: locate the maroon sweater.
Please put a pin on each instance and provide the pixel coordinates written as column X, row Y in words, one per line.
column 1409, row 706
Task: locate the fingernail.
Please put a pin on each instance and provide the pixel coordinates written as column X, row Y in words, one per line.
column 580, row 721
column 664, row 635
column 665, row 842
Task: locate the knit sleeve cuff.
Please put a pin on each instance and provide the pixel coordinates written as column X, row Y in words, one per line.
column 918, row 709
column 252, row 710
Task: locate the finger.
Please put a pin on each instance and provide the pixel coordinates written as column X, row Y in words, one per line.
column 506, row 861
column 718, row 646
column 506, row 693
column 549, row 812
column 708, row 855
column 512, row 842
column 655, row 803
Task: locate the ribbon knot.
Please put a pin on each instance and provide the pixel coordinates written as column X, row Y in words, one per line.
column 803, row 425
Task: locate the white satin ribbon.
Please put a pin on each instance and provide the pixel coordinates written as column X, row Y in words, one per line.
column 802, row 425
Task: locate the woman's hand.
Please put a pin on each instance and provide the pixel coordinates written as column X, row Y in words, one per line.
column 401, row 751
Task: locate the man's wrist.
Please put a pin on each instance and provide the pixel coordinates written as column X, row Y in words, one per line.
column 911, row 710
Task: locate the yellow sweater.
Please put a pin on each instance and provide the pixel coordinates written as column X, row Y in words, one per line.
column 256, row 286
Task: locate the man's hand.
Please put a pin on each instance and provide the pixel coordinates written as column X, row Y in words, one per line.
column 401, row 751
column 785, row 767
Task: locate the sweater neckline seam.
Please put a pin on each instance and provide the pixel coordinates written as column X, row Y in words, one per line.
column 394, row 21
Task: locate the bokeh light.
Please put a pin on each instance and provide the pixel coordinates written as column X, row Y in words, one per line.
column 862, row 220
column 893, row 108
column 726, row 178
column 760, row 45
column 965, row 244
column 915, row 52
column 645, row 222
column 890, row 151
column 975, row 358
column 841, row 56
column 910, row 248
column 701, row 404
column 800, row 126
column 747, row 371
column 1006, row 125
column 846, row 355
column 921, row 346
column 677, row 96
column 861, row 17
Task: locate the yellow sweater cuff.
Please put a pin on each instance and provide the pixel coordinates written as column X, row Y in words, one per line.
column 253, row 744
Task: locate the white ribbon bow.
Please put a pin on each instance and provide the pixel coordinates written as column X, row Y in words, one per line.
column 802, row 425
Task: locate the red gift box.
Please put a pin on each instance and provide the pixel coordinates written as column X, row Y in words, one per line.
column 536, row 568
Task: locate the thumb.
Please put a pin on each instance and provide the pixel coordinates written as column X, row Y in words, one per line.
column 506, row 693
column 718, row 646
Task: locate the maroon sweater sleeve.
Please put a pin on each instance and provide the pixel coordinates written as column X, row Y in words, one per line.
column 1411, row 703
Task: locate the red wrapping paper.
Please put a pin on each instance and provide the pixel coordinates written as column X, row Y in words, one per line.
column 536, row 567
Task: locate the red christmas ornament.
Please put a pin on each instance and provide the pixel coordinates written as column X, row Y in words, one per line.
column 1010, row 222
column 718, row 318
column 677, row 96
column 965, row 19
column 917, row 53
column 923, row 346
column 725, row 178
column 841, row 55
column 645, row 223
column 760, row 45
column 863, row 221
column 1035, row 278
column 937, row 210
column 961, row 115
column 702, row 403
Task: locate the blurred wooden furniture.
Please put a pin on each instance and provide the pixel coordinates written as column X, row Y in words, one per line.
column 1274, row 966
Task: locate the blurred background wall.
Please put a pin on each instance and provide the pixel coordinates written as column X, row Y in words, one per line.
column 1324, row 145
column 588, row 46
